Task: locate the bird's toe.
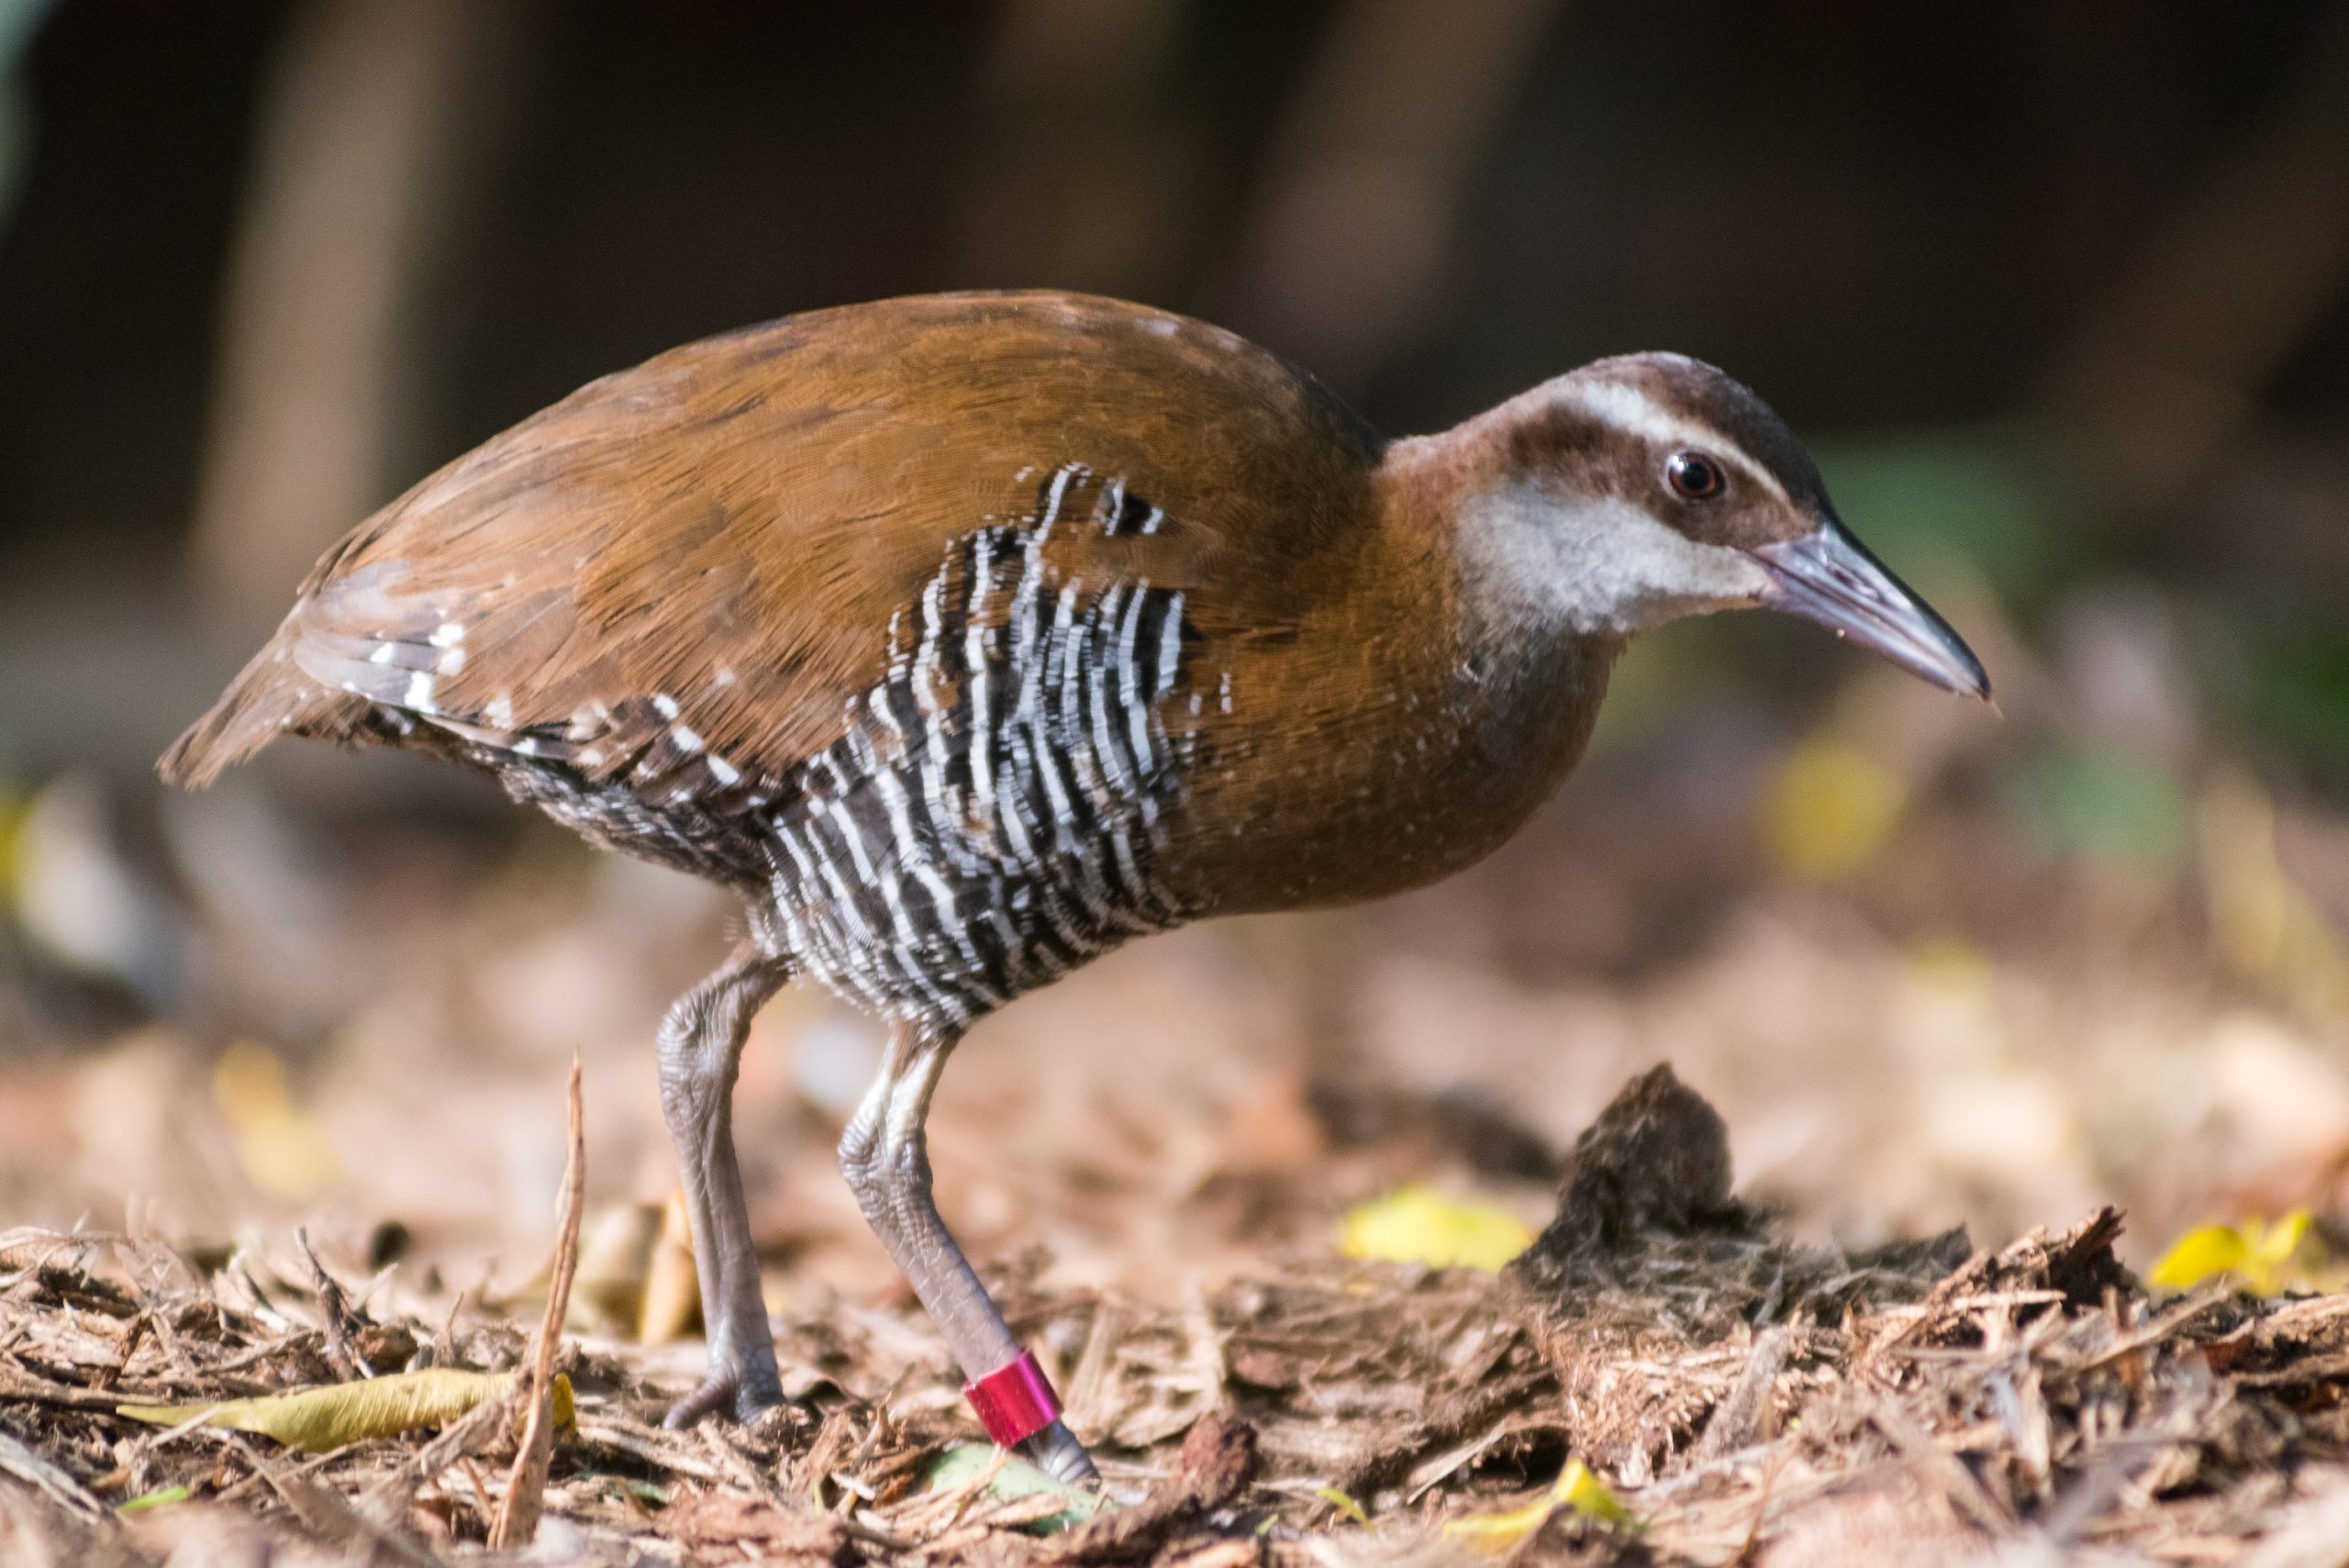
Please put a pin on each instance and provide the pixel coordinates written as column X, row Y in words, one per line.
column 727, row 1389
column 1056, row 1453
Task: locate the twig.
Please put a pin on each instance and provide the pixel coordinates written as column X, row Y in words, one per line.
column 517, row 1514
column 2160, row 1329
column 326, row 1512
column 445, row 1344
column 334, row 1316
column 22, row 1463
column 1740, row 1420
column 1760, row 1506
column 18, row 1383
column 1964, row 1489
column 1090, row 1386
column 648, row 1445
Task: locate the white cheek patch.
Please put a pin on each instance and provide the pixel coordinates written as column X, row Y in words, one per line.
column 1595, row 566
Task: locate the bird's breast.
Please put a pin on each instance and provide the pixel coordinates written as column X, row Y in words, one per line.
column 1335, row 773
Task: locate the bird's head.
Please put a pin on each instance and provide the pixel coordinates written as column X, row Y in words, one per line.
column 1642, row 488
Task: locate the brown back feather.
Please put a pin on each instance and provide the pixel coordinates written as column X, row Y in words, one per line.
column 723, row 536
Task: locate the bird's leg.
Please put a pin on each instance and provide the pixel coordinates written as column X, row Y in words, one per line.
column 701, row 1045
column 886, row 1156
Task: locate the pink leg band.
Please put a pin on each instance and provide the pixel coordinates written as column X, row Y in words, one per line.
column 1014, row 1402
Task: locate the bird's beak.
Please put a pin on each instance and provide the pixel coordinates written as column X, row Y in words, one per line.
column 1828, row 576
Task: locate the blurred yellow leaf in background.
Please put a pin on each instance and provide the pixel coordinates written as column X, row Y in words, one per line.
column 14, row 809
column 615, row 1255
column 318, row 1420
column 1952, row 968
column 280, row 1145
column 1418, row 1225
column 1576, row 1489
column 2264, row 1257
column 2264, row 926
column 1828, row 809
column 672, row 1308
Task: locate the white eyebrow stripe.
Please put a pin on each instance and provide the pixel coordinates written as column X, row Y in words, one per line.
column 1634, row 412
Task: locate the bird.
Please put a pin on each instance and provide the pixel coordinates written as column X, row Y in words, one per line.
column 968, row 637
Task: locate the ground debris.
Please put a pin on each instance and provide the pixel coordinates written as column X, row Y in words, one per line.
column 1745, row 1398
column 1218, row 1465
column 709, row 1521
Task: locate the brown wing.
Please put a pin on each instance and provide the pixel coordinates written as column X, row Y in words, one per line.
column 682, row 573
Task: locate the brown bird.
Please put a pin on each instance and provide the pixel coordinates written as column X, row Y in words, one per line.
column 968, row 637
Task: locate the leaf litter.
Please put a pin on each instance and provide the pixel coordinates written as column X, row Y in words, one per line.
column 1662, row 1377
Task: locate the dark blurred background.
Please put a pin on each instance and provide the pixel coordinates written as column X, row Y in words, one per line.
column 2060, row 292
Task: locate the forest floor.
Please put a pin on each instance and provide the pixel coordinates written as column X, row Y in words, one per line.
column 1746, row 1399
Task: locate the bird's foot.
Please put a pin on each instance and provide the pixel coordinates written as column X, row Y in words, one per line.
column 1056, row 1453
column 741, row 1393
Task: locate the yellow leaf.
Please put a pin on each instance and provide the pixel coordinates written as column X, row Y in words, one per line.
column 1588, row 1495
column 1344, row 1502
column 14, row 811
column 1498, row 1532
column 2275, row 1259
column 672, row 1307
column 282, row 1147
column 1576, row 1489
column 1827, row 809
column 2199, row 1254
column 318, row 1420
column 614, row 1253
column 2265, row 926
column 1953, row 969
column 1418, row 1225
column 2264, row 1257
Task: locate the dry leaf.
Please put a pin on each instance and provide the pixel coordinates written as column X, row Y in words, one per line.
column 2265, row 926
column 672, row 1305
column 318, row 1420
column 280, row 1145
column 614, row 1260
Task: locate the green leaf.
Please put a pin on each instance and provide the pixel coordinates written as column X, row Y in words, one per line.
column 2105, row 803
column 966, row 1462
column 1983, row 496
column 161, row 1498
column 2296, row 685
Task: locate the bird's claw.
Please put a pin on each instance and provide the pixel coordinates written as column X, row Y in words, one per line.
column 1056, row 1453
column 728, row 1389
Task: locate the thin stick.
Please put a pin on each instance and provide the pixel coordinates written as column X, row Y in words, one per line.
column 22, row 1464
column 517, row 1513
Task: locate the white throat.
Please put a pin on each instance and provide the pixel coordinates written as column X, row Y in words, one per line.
column 1593, row 566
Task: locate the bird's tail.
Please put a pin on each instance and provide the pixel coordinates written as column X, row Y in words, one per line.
column 270, row 696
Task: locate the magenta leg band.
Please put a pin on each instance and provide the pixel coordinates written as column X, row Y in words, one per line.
column 1015, row 1402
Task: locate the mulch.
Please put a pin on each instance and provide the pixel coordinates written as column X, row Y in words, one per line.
column 1748, row 1399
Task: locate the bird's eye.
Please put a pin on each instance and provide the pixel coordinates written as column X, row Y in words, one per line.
column 1694, row 476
